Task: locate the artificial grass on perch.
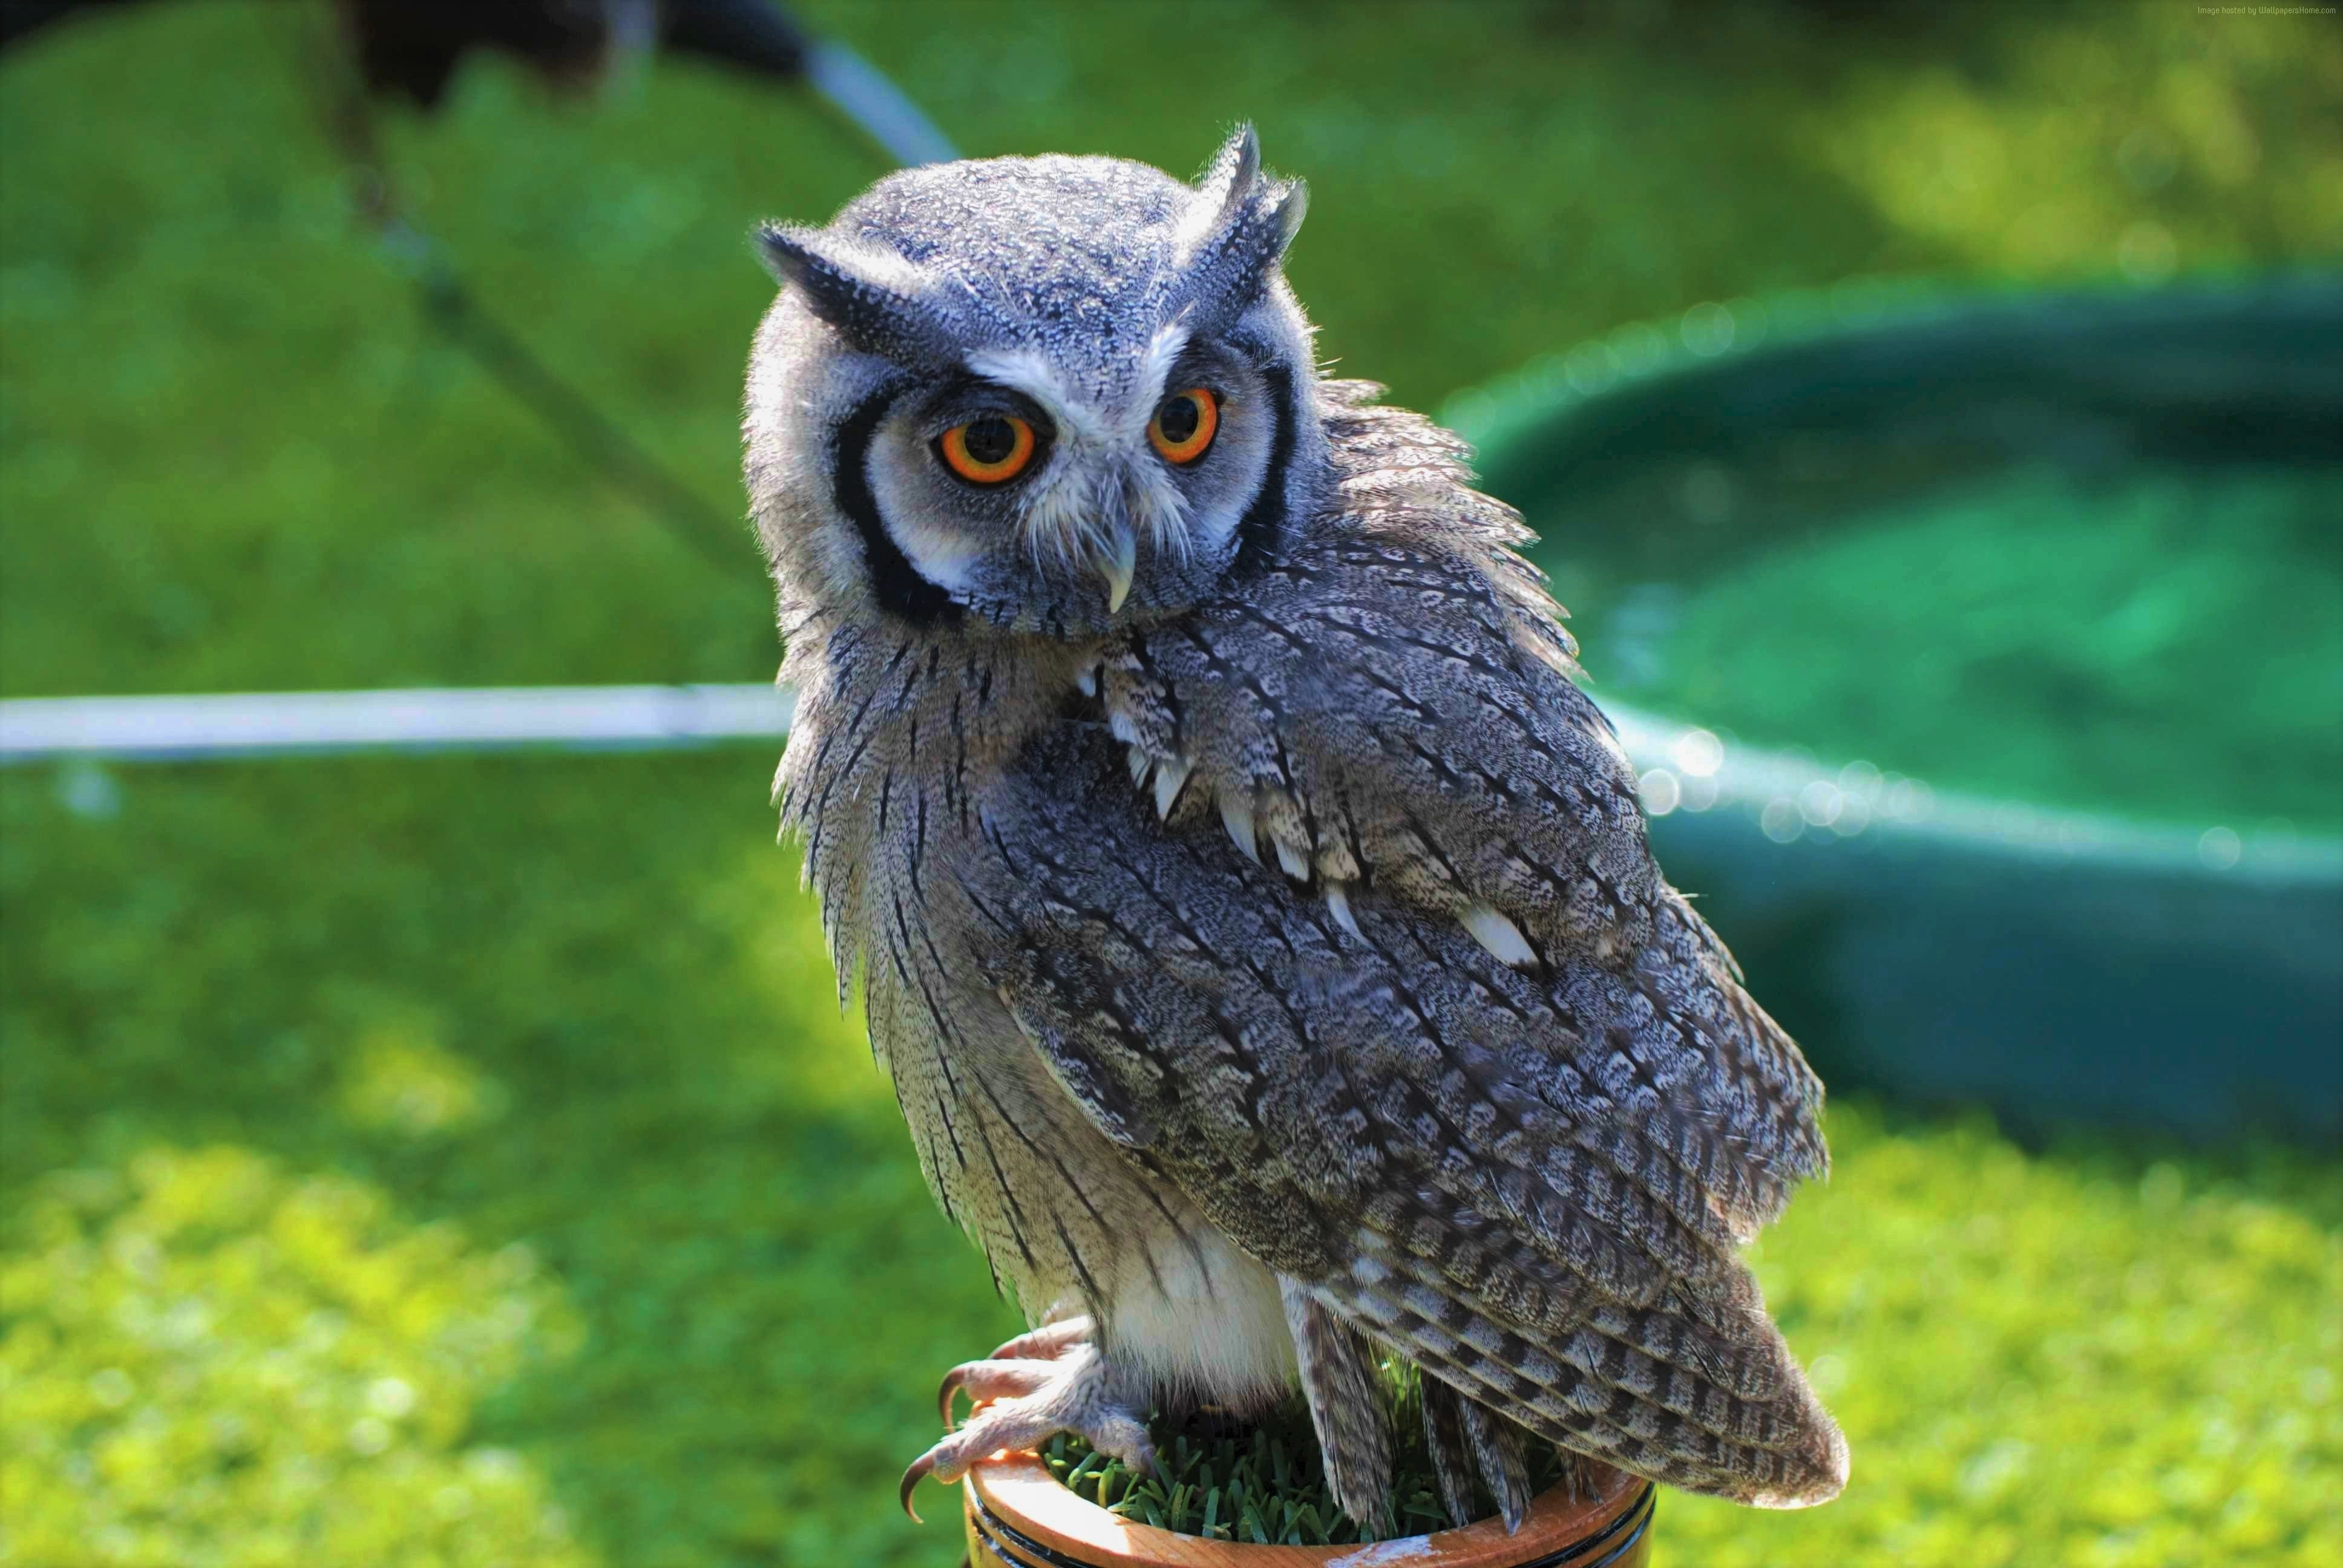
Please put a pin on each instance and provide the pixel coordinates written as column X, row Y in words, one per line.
column 1229, row 1492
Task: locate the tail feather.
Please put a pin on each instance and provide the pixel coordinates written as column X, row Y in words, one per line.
column 1346, row 1402
column 1594, row 1394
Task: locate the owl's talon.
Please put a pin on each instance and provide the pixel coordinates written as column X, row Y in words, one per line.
column 944, row 1393
column 1023, row 1403
column 919, row 1471
column 986, row 1380
column 982, row 1380
column 1046, row 1344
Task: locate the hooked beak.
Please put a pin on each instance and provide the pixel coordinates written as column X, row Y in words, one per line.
column 1114, row 557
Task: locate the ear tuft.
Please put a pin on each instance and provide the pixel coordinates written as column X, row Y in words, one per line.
column 1242, row 223
column 786, row 251
column 1233, row 170
column 1292, row 208
column 872, row 297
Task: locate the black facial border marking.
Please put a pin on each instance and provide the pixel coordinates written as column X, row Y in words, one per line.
column 895, row 582
column 1263, row 526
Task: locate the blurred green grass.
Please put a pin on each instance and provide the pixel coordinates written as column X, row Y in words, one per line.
column 517, row 1083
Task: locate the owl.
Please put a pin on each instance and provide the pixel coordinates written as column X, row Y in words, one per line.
column 1252, row 914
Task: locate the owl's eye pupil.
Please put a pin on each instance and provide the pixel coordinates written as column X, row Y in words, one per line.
column 990, row 440
column 1178, row 419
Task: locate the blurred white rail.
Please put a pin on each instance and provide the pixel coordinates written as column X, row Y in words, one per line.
column 262, row 724
column 1681, row 767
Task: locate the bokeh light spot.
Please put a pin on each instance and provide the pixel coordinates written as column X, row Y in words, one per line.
column 1707, row 329
column 1660, row 790
column 2220, row 848
column 1699, row 752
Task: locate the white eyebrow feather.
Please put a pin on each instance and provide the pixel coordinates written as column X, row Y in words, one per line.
column 1154, row 371
column 1028, row 371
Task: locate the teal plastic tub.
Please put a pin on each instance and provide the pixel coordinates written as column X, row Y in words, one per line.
column 1983, row 658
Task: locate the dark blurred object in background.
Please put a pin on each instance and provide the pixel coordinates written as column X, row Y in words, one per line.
column 18, row 17
column 412, row 48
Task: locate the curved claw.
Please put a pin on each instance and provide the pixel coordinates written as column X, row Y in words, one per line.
column 953, row 1380
column 920, row 1469
column 1045, row 1343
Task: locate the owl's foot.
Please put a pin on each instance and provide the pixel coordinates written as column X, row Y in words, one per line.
column 1051, row 1380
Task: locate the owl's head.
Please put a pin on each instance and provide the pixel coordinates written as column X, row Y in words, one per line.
column 1045, row 396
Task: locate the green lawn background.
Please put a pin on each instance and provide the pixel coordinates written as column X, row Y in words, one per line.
column 462, row 1160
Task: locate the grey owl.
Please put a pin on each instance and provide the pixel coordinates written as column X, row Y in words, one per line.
column 1253, row 916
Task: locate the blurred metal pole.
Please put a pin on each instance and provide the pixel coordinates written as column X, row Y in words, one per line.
column 863, row 94
column 309, row 723
column 761, row 37
column 1738, row 778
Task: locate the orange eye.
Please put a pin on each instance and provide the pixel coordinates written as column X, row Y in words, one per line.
column 1183, row 427
column 990, row 450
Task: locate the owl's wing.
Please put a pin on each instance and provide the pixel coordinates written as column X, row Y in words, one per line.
column 1526, row 1181
column 1388, row 706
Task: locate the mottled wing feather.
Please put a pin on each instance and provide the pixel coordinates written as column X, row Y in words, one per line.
column 1387, row 706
